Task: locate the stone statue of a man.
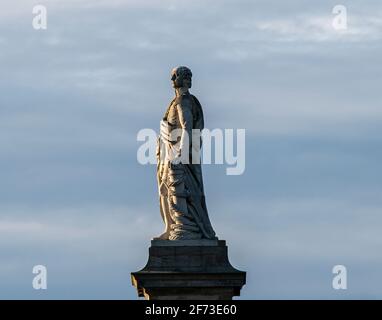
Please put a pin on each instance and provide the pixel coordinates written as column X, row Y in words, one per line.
column 182, row 201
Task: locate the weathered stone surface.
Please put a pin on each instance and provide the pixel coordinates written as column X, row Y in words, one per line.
column 188, row 272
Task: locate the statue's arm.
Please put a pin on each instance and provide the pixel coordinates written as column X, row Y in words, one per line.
column 186, row 121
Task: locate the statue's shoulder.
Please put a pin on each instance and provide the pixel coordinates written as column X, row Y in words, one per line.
column 184, row 101
column 195, row 101
column 197, row 113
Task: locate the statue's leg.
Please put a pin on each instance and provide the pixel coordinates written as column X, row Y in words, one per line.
column 163, row 202
column 184, row 226
column 165, row 213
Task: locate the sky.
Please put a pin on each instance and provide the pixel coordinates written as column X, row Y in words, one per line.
column 73, row 97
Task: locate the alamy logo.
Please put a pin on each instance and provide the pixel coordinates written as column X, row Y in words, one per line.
column 39, row 21
column 40, row 280
column 340, row 279
column 176, row 146
column 340, row 21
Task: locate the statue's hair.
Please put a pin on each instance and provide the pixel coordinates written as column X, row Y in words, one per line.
column 182, row 72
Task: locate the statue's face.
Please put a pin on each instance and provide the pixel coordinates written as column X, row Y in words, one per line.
column 181, row 77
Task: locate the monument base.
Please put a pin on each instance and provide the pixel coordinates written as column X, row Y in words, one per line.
column 188, row 270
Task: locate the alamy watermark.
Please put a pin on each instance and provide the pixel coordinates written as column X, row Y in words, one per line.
column 40, row 19
column 339, row 281
column 40, row 281
column 215, row 146
column 340, row 20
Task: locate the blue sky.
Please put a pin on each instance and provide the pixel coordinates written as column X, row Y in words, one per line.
column 73, row 97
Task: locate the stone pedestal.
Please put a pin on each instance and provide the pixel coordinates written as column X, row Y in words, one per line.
column 188, row 270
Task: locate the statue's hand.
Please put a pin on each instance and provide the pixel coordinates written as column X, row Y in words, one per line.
column 176, row 160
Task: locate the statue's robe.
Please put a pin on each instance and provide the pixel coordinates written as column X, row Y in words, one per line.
column 182, row 200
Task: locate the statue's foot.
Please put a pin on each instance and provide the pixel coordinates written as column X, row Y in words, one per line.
column 185, row 235
column 163, row 236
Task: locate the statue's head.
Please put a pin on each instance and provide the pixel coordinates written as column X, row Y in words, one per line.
column 181, row 77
